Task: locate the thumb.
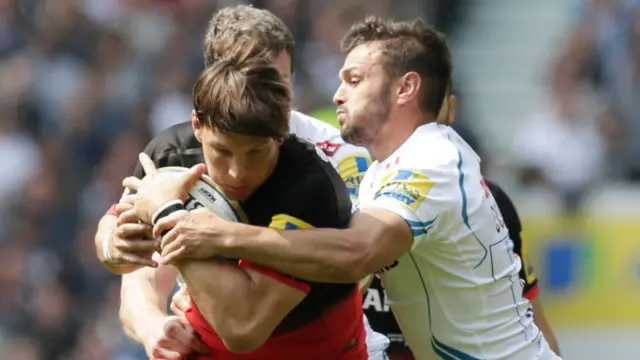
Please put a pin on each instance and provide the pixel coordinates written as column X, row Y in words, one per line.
column 189, row 178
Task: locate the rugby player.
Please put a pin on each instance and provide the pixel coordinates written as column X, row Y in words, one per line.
column 239, row 130
column 145, row 290
column 426, row 223
column 377, row 308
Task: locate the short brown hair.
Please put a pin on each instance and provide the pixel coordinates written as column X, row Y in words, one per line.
column 242, row 93
column 408, row 46
column 227, row 24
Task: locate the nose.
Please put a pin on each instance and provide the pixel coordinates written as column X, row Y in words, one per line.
column 237, row 171
column 339, row 97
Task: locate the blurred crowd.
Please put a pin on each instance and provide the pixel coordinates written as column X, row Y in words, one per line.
column 588, row 131
column 84, row 84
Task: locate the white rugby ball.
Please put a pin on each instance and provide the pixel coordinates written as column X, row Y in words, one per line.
column 205, row 193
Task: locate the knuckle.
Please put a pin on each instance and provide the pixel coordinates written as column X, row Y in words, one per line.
column 170, row 327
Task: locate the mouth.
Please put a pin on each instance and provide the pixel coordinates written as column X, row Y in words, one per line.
column 342, row 117
column 235, row 192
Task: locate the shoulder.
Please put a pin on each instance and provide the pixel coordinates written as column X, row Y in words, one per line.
column 174, row 146
column 314, row 190
column 310, row 128
column 173, row 139
column 325, row 136
column 430, row 151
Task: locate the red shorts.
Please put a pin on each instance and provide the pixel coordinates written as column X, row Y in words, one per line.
column 338, row 334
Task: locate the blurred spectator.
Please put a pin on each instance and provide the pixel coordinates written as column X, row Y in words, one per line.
column 561, row 146
column 603, row 51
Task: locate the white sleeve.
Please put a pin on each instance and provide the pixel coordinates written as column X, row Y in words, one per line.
column 419, row 197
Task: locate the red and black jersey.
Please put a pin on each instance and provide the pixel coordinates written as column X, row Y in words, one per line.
column 304, row 190
column 379, row 313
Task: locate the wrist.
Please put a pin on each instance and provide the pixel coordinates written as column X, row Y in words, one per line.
column 106, row 247
column 239, row 239
column 166, row 210
column 147, row 330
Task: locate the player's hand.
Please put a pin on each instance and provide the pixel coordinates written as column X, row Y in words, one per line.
column 180, row 303
column 196, row 234
column 157, row 189
column 173, row 341
column 128, row 243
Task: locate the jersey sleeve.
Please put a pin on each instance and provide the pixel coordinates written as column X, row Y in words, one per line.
column 418, row 196
column 514, row 226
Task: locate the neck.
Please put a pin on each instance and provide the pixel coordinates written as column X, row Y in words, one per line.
column 395, row 134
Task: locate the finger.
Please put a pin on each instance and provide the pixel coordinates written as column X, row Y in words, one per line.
column 135, row 246
column 169, row 237
column 170, row 242
column 132, row 231
column 129, row 199
column 198, row 345
column 173, row 255
column 132, row 183
column 180, row 302
column 162, row 352
column 129, row 216
column 167, row 223
column 137, row 260
column 175, row 345
column 185, row 336
column 176, row 309
column 122, row 207
column 189, row 177
column 147, row 164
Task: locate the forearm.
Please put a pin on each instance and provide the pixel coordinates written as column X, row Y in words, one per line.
column 323, row 255
column 375, row 238
column 544, row 326
column 224, row 294
column 143, row 300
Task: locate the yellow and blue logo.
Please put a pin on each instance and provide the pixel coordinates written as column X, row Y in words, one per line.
column 409, row 187
column 352, row 169
column 287, row 222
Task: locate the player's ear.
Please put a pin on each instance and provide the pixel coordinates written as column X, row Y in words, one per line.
column 408, row 88
column 197, row 127
column 453, row 102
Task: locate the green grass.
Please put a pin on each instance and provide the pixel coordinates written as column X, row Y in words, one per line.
column 326, row 114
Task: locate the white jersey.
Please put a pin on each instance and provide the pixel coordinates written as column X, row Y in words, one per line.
column 352, row 163
column 457, row 292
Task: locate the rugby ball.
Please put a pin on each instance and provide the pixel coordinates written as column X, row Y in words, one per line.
column 205, row 193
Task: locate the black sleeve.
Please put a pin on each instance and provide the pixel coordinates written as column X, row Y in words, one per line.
column 174, row 146
column 514, row 226
column 151, row 150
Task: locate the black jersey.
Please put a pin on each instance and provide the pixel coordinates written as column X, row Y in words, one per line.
column 379, row 313
column 304, row 188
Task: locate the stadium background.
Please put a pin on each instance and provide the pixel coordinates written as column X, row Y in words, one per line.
column 548, row 94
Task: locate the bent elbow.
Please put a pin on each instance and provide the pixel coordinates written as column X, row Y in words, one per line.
column 355, row 264
column 240, row 336
column 356, row 269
